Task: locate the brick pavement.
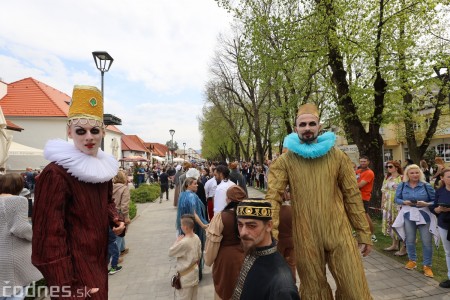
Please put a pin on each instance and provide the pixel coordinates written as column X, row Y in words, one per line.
column 147, row 268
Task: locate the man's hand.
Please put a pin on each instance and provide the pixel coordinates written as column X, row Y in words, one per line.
column 119, row 229
column 365, row 249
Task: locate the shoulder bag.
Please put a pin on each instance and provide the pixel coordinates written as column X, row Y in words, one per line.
column 175, row 281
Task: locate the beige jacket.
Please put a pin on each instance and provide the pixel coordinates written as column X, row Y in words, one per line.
column 121, row 196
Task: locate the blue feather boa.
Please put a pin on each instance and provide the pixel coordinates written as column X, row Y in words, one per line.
column 324, row 143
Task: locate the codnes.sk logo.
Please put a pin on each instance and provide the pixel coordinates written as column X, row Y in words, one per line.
column 40, row 291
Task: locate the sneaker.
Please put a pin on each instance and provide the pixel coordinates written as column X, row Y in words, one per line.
column 114, row 270
column 445, row 284
column 374, row 238
column 410, row 265
column 427, row 271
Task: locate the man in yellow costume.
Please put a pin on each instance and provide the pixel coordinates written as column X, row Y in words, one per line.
column 326, row 205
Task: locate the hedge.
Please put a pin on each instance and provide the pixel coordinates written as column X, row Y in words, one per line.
column 145, row 193
column 132, row 210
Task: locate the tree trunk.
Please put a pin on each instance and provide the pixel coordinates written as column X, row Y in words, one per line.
column 369, row 143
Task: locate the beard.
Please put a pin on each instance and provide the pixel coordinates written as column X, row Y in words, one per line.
column 248, row 249
column 308, row 140
column 251, row 244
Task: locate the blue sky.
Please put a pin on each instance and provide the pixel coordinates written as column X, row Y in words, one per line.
column 161, row 51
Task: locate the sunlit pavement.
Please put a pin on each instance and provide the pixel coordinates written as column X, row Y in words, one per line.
column 147, row 268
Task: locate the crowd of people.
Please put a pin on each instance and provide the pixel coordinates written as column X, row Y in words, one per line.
column 406, row 195
column 256, row 247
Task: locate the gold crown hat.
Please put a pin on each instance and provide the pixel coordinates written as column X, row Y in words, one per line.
column 254, row 209
column 308, row 109
column 87, row 103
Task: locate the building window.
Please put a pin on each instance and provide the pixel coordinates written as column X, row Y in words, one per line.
column 406, row 153
column 388, row 155
column 443, row 150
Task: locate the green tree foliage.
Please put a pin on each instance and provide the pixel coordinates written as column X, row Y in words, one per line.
column 217, row 142
column 362, row 62
column 175, row 145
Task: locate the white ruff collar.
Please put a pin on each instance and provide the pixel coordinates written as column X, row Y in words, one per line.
column 87, row 168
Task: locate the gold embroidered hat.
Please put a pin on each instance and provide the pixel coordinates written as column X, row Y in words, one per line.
column 87, row 103
column 254, row 209
column 308, row 109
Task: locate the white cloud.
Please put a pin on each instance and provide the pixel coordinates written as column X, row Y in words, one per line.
column 165, row 44
column 152, row 121
column 160, row 47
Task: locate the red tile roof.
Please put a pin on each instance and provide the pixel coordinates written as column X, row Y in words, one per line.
column 158, row 149
column 133, row 143
column 11, row 126
column 114, row 129
column 32, row 98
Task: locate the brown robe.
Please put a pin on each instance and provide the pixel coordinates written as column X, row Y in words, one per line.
column 70, row 232
column 285, row 243
column 230, row 258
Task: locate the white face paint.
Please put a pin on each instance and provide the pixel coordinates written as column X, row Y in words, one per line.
column 86, row 135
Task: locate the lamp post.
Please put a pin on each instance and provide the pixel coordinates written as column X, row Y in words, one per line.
column 103, row 62
column 184, row 151
column 172, row 132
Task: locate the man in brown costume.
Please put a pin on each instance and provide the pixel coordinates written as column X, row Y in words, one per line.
column 74, row 205
column 326, row 204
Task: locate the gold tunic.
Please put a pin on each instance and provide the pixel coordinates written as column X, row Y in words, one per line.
column 326, row 205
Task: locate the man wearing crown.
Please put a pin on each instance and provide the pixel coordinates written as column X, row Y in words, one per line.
column 74, row 205
column 264, row 273
column 326, row 205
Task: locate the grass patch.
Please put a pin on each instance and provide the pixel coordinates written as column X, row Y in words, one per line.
column 439, row 264
column 145, row 193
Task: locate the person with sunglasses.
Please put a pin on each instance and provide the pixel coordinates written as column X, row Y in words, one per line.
column 415, row 195
column 388, row 205
column 74, row 206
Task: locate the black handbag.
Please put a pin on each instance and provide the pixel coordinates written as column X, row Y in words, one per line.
column 175, row 281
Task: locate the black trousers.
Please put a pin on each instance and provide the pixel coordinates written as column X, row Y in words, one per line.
column 164, row 188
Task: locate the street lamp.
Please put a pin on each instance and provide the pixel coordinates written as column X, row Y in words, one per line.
column 172, row 132
column 184, row 151
column 103, row 62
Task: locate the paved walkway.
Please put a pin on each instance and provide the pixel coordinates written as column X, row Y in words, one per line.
column 147, row 268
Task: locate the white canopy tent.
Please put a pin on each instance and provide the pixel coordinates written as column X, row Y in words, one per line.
column 179, row 159
column 22, row 150
column 160, row 159
column 22, row 157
